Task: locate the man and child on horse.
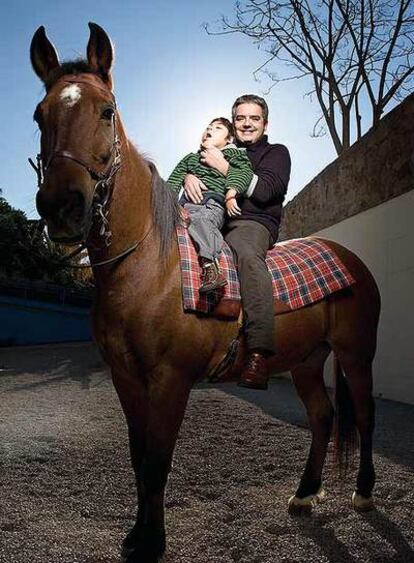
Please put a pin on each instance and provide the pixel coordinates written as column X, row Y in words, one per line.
column 250, row 179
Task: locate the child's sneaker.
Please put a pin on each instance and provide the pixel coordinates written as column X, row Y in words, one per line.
column 212, row 278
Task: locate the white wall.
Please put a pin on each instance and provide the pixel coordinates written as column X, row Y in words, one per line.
column 383, row 237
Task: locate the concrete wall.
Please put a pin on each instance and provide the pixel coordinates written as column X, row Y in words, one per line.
column 378, row 167
column 25, row 321
column 365, row 201
column 383, row 237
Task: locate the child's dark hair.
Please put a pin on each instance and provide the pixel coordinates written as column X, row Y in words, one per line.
column 227, row 124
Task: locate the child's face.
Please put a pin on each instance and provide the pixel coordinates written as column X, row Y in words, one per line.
column 216, row 135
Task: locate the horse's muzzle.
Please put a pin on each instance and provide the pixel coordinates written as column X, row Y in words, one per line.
column 67, row 216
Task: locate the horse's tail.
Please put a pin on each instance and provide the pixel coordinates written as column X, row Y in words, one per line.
column 345, row 437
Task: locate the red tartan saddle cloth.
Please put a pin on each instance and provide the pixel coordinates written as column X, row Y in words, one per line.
column 303, row 271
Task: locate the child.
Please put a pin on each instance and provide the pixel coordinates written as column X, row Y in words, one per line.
column 207, row 217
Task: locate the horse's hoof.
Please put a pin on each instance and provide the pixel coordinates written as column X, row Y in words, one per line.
column 126, row 555
column 296, row 508
column 362, row 504
column 303, row 506
column 132, row 556
column 143, row 544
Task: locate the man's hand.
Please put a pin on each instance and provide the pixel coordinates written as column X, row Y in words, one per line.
column 231, row 203
column 214, row 158
column 194, row 188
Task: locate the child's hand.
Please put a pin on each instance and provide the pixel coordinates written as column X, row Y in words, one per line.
column 184, row 216
column 231, row 204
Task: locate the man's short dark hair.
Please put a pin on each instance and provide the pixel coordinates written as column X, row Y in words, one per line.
column 251, row 99
column 227, row 124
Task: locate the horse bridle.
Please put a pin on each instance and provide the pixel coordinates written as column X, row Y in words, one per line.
column 102, row 191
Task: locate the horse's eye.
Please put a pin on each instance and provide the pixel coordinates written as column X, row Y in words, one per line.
column 108, row 113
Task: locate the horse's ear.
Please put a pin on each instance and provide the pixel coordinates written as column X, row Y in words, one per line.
column 43, row 54
column 100, row 52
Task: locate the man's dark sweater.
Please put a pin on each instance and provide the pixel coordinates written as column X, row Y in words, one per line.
column 271, row 164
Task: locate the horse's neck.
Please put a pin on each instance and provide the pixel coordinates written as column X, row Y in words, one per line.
column 130, row 218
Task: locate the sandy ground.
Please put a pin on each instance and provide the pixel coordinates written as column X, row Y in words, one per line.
column 67, row 492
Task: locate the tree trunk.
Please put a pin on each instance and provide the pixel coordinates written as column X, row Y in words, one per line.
column 346, row 129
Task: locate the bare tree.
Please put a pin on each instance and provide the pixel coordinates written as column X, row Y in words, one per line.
column 356, row 52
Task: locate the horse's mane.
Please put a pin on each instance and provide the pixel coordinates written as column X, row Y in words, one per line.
column 165, row 212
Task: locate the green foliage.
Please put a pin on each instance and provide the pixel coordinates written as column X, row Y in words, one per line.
column 25, row 253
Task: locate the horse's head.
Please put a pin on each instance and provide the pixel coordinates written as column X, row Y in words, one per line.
column 79, row 146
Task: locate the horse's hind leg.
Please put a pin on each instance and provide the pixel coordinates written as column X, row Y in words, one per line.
column 308, row 379
column 359, row 378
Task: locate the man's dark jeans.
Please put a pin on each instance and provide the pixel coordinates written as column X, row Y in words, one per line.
column 250, row 242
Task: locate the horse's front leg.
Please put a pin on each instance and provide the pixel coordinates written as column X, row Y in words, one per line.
column 133, row 396
column 166, row 398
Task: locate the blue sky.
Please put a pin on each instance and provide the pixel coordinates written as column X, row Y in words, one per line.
column 171, row 79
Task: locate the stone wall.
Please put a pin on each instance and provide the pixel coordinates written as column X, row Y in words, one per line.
column 380, row 166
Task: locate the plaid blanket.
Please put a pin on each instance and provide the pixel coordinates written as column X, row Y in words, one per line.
column 303, row 271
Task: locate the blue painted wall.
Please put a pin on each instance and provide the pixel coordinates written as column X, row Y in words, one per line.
column 27, row 321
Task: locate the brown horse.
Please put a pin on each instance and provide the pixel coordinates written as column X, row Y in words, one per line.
column 95, row 187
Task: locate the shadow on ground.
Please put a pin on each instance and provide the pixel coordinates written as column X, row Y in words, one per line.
column 394, row 434
column 76, row 362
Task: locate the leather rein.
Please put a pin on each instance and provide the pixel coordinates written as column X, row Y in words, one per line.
column 102, row 191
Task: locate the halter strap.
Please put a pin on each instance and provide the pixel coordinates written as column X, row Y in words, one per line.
column 95, row 175
column 123, row 254
column 74, row 80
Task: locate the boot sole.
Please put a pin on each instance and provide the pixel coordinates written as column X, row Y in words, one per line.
column 260, row 387
column 209, row 290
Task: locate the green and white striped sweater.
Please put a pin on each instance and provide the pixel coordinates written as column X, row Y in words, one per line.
column 239, row 175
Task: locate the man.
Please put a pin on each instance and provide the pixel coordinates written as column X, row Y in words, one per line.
column 255, row 229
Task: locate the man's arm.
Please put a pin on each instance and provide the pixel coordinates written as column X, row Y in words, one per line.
column 271, row 176
column 240, row 172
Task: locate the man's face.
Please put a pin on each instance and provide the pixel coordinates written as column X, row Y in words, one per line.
column 216, row 135
column 249, row 123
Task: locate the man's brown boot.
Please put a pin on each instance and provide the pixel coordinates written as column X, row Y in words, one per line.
column 212, row 278
column 255, row 374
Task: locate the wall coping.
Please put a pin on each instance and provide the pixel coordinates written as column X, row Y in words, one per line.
column 373, row 170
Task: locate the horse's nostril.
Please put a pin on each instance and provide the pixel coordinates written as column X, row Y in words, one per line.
column 68, row 206
column 44, row 205
column 74, row 206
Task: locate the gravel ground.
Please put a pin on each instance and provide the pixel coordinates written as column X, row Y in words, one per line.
column 67, row 492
